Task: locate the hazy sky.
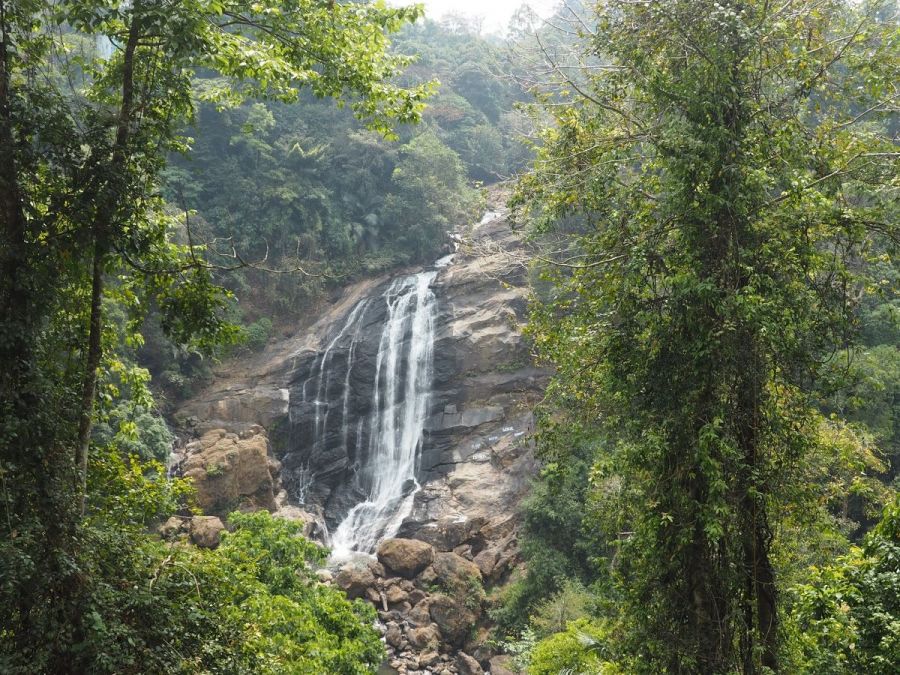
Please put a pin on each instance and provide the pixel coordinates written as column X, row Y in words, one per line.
column 496, row 13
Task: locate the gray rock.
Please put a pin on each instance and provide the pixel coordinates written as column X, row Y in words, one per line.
column 429, row 659
column 171, row 528
column 486, row 560
column 416, row 596
column 501, row 665
column 354, row 580
column 406, row 557
column 206, row 531
column 420, row 615
column 424, row 638
column 454, row 620
column 466, row 665
column 229, row 471
column 393, row 636
column 373, row 596
column 395, row 595
column 456, row 574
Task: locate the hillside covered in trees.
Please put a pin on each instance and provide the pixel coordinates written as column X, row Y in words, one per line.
column 688, row 306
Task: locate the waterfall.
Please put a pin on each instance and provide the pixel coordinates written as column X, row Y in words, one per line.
column 399, row 407
column 323, row 379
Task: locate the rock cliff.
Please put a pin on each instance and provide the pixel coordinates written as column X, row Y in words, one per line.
column 311, row 395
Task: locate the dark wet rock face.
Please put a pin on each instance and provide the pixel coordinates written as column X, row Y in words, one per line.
column 330, row 403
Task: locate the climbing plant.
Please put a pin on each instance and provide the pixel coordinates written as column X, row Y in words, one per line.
column 730, row 168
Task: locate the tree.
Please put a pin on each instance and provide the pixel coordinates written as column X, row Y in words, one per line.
column 430, row 195
column 729, row 164
column 82, row 144
column 847, row 616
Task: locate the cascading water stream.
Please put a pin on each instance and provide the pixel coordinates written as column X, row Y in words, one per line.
column 358, row 413
column 400, row 397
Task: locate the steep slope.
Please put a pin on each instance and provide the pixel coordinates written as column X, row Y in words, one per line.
column 434, row 361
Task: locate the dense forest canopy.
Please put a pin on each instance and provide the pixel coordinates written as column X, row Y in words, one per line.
column 710, row 196
column 88, row 247
column 720, row 184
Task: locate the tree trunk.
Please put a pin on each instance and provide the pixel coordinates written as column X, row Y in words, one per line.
column 12, row 298
column 760, row 602
column 766, row 610
column 92, row 366
column 100, row 232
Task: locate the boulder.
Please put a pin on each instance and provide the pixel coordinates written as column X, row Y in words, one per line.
column 486, row 561
column 309, row 521
column 405, row 557
column 424, row 638
column 429, row 659
column 446, row 533
column 171, row 528
column 427, row 578
column 393, row 636
column 377, row 568
column 354, row 580
column 466, row 665
column 395, row 595
column 416, row 596
column 206, row 531
column 373, row 596
column 453, row 618
column 456, row 574
column 420, row 615
column 230, row 472
column 501, row 665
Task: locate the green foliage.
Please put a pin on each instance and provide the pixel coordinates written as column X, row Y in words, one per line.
column 305, row 187
column 580, row 648
column 251, row 606
column 88, row 252
column 718, row 164
column 129, row 491
column 258, row 334
column 553, row 615
column 557, row 543
column 429, row 197
column 134, row 430
column 846, row 617
column 871, row 398
column 301, row 625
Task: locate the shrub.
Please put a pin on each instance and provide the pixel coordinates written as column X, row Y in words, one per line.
column 579, row 649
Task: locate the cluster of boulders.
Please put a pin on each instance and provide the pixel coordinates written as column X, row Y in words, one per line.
column 202, row 531
column 430, row 605
column 231, row 471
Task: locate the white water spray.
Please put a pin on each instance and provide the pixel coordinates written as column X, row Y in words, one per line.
column 400, row 398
